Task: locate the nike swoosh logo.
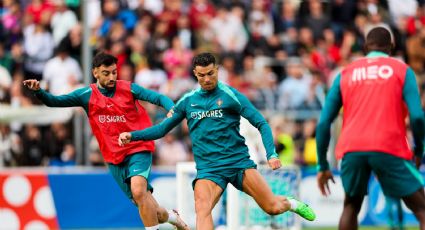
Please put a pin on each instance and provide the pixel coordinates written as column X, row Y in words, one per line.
column 193, row 104
column 136, row 170
column 109, row 106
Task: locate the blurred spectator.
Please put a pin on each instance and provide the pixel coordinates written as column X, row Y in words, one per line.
column 417, row 21
column 112, row 13
column 177, row 57
column 34, row 147
column 10, row 146
column 229, row 31
column 11, row 21
column 95, row 156
column 170, row 151
column 293, row 91
column 61, row 150
column 72, row 42
column 179, row 84
column 184, row 32
column 38, row 47
column 5, row 84
column 310, row 153
column 5, row 58
column 415, row 46
column 150, row 78
column 316, row 19
column 200, row 11
column 39, row 11
column 170, row 15
column 63, row 20
column 62, row 72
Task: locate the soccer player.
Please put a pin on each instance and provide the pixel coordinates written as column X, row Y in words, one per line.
column 112, row 107
column 213, row 114
column 374, row 92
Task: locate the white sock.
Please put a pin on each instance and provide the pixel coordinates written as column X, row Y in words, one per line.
column 156, row 227
column 294, row 204
column 172, row 217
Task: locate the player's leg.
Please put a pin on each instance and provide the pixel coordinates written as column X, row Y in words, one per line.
column 416, row 203
column 252, row 183
column 141, row 196
column 170, row 216
column 352, row 206
column 207, row 194
column 355, row 174
column 256, row 186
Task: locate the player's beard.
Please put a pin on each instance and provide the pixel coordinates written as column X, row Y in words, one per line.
column 109, row 85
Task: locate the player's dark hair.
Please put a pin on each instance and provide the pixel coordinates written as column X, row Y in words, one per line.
column 203, row 59
column 379, row 39
column 103, row 58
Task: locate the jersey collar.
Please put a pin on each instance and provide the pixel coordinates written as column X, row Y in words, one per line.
column 373, row 54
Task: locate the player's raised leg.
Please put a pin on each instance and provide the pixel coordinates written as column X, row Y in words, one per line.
column 207, row 194
column 254, row 185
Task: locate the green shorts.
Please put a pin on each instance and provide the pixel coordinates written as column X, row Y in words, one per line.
column 223, row 176
column 138, row 164
column 397, row 177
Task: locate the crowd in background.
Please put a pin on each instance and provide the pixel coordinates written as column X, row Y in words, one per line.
column 282, row 54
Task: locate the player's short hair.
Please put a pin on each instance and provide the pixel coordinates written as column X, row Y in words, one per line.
column 379, row 39
column 103, row 58
column 203, row 59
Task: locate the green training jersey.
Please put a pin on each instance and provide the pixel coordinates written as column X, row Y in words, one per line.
column 213, row 118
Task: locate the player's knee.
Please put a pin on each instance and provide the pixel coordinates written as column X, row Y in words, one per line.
column 139, row 195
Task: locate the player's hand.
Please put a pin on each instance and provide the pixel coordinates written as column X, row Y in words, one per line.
column 32, row 84
column 274, row 163
column 323, row 182
column 124, row 138
column 170, row 113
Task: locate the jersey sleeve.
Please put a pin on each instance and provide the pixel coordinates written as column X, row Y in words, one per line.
column 417, row 121
column 330, row 111
column 153, row 97
column 78, row 97
column 248, row 111
column 159, row 130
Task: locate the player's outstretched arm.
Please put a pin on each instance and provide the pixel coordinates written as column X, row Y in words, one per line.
column 75, row 98
column 248, row 111
column 151, row 96
column 154, row 132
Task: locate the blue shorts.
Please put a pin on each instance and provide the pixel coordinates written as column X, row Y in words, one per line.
column 138, row 164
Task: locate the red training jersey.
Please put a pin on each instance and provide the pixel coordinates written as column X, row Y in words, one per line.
column 374, row 109
column 111, row 116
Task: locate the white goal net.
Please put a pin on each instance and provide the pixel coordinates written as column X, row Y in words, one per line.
column 239, row 210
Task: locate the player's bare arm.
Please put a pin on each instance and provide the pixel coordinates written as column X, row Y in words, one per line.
column 124, row 138
column 32, row 84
